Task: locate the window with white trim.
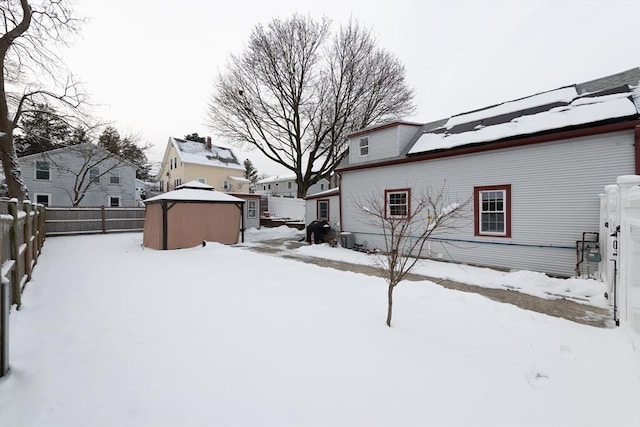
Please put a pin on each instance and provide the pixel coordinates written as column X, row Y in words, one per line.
column 397, row 203
column 225, row 185
column 43, row 199
column 114, row 201
column 323, row 210
column 363, row 145
column 492, row 206
column 114, row 178
column 289, row 185
column 43, row 171
column 252, row 209
column 202, row 180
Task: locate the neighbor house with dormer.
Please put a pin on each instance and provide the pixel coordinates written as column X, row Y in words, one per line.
column 217, row 166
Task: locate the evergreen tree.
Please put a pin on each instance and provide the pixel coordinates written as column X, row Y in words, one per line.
column 110, row 139
column 41, row 130
column 128, row 149
column 195, row 137
column 250, row 172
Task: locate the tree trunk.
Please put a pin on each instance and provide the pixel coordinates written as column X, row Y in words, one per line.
column 390, row 305
column 15, row 183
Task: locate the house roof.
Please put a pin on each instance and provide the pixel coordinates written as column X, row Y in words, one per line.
column 195, row 195
column 197, row 185
column 79, row 149
column 200, row 153
column 277, row 178
column 605, row 100
column 326, row 193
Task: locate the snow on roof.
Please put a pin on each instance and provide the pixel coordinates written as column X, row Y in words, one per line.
column 239, row 178
column 580, row 110
column 199, row 153
column 325, row 193
column 195, row 185
column 565, row 94
column 197, row 195
column 277, row 178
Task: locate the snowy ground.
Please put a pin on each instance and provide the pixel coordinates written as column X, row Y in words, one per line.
column 111, row 334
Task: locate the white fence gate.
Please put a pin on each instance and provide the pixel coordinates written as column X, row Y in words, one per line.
column 620, row 247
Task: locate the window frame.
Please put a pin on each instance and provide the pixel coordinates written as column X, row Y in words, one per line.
column 387, row 204
column 202, row 180
column 96, row 178
column 249, row 208
column 318, row 202
column 109, row 200
column 362, row 146
column 36, row 170
column 114, row 174
column 477, row 210
column 47, row 195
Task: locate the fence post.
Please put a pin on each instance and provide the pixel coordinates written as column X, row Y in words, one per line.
column 28, row 233
column 16, row 293
column 104, row 220
column 5, row 306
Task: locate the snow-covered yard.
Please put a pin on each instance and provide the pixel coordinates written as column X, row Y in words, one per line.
column 111, row 334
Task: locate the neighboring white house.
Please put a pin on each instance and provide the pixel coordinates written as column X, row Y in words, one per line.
column 324, row 206
column 532, row 168
column 86, row 173
column 285, row 186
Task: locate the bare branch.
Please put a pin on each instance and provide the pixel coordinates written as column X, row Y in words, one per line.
column 406, row 225
column 296, row 92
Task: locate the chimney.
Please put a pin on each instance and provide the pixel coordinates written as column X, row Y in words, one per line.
column 208, row 143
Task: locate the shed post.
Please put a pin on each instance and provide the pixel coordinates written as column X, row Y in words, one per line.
column 104, row 220
column 165, row 227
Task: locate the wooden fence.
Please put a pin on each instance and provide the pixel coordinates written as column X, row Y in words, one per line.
column 22, row 234
column 62, row 221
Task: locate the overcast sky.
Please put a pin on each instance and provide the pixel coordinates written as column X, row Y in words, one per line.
column 150, row 64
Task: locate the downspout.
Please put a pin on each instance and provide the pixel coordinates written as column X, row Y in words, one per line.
column 340, row 199
column 241, row 207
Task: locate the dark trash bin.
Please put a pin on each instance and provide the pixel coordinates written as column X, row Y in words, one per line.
column 317, row 231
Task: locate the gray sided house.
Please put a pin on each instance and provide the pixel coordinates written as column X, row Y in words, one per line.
column 83, row 175
column 324, row 206
column 532, row 169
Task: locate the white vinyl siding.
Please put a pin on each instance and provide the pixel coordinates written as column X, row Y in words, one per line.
column 555, row 189
column 60, row 183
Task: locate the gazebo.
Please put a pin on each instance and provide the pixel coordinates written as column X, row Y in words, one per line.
column 191, row 214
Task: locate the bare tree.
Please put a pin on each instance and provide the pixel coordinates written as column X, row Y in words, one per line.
column 407, row 223
column 82, row 168
column 296, row 92
column 32, row 31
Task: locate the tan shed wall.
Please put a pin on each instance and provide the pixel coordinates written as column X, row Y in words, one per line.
column 189, row 224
